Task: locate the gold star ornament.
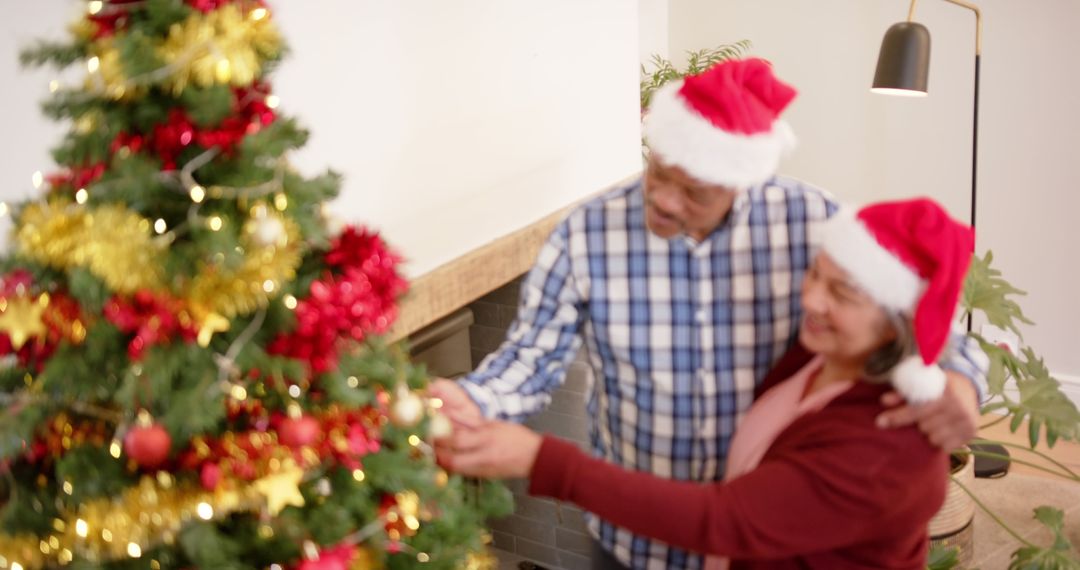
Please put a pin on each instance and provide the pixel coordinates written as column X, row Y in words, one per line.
column 282, row 489
column 20, row 318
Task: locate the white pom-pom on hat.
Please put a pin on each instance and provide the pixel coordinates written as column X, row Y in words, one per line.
column 918, row 382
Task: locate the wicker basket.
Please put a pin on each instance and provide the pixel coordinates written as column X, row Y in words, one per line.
column 952, row 526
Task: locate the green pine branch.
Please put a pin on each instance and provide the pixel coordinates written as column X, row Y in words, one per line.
column 56, row 54
column 92, row 473
column 177, row 384
column 28, row 507
column 208, row 106
column 88, row 372
column 156, row 16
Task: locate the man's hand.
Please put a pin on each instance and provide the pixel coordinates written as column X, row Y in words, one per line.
column 948, row 422
column 493, row 450
column 457, row 405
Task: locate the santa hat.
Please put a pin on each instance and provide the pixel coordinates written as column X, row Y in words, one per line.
column 911, row 257
column 721, row 126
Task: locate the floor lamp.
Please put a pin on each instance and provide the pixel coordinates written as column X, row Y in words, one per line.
column 902, row 69
column 904, row 65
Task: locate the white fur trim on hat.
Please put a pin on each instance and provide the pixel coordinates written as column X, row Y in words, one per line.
column 880, row 273
column 918, row 382
column 683, row 138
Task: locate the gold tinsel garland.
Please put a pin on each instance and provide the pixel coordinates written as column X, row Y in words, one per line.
column 480, row 560
column 116, row 245
column 153, row 511
column 264, row 269
column 112, row 242
column 224, row 46
column 107, row 71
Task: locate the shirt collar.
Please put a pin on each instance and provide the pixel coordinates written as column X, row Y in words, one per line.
column 740, row 209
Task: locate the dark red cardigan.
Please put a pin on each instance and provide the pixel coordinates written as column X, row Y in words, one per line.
column 832, row 492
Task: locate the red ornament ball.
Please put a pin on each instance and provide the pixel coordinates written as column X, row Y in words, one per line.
column 336, row 558
column 210, row 476
column 298, row 432
column 323, row 564
column 148, row 446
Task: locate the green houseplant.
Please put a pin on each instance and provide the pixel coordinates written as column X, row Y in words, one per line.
column 1020, row 389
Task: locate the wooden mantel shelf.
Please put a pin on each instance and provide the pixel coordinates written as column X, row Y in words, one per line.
column 457, row 283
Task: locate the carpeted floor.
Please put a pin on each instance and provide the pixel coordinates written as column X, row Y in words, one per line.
column 1013, row 498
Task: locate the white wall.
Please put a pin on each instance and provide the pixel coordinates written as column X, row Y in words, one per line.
column 453, row 122
column 653, row 29
column 27, row 136
column 867, row 147
column 458, row 122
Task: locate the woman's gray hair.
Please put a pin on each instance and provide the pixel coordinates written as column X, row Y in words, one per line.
column 880, row 364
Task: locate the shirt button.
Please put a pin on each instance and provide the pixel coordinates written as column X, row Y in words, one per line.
column 700, row 316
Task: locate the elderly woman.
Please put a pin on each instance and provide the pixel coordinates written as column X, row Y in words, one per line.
column 811, row 481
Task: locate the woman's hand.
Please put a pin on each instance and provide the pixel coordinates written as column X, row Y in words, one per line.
column 492, row 449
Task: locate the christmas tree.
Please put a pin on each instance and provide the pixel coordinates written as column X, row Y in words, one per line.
column 193, row 375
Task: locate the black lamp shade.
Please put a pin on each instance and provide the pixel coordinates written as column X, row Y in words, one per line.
column 904, row 62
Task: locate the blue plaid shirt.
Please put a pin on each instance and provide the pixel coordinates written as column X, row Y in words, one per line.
column 678, row 334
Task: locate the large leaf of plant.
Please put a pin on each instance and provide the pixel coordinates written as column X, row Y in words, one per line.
column 1059, row 556
column 942, row 558
column 1043, row 403
column 985, row 290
